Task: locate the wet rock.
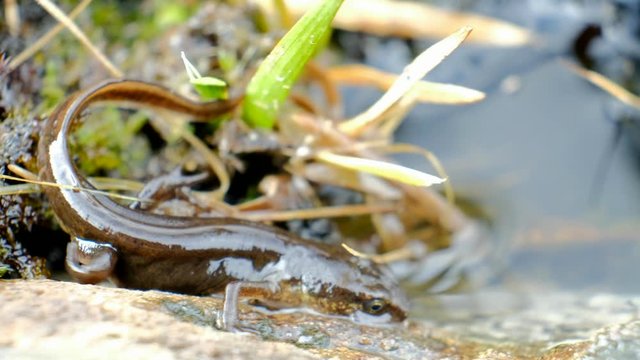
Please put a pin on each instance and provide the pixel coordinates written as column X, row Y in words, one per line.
column 58, row 320
column 48, row 319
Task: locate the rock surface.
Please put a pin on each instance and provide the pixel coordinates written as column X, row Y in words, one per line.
column 44, row 319
column 59, row 320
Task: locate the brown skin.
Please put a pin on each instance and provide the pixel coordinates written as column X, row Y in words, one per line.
column 198, row 255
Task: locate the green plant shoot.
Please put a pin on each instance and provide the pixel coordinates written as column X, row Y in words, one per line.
column 271, row 84
column 209, row 88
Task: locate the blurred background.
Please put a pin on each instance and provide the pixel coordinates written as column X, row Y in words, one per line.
column 552, row 160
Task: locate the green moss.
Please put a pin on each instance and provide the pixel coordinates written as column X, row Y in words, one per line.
column 109, row 142
column 313, row 338
column 52, row 93
column 187, row 311
column 3, row 267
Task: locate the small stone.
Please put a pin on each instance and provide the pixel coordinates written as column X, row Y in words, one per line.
column 389, row 344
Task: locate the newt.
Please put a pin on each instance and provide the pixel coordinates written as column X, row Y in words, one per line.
column 200, row 256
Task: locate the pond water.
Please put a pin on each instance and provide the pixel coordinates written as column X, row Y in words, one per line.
column 540, row 154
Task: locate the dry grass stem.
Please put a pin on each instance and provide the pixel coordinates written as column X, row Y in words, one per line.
column 403, row 253
column 101, row 183
column 212, row 159
column 105, row 183
column 59, row 15
column 431, row 206
column 349, row 179
column 22, row 172
column 428, row 92
column 18, row 189
column 74, row 188
column 413, row 19
column 173, row 127
column 286, row 19
column 316, row 213
column 12, row 16
column 428, row 155
column 393, row 118
column 328, row 85
column 382, row 169
column 46, row 38
column 411, row 75
column 607, row 85
column 259, row 203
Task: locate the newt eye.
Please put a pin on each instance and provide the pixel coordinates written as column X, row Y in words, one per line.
column 374, row 306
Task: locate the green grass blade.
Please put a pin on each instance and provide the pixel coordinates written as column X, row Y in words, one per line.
column 271, row 84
